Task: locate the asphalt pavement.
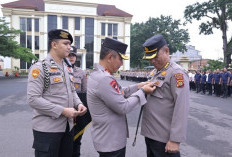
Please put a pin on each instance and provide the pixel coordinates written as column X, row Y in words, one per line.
column 208, row 134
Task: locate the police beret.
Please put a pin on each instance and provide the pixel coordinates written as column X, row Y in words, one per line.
column 116, row 46
column 153, row 45
column 59, row 34
column 73, row 50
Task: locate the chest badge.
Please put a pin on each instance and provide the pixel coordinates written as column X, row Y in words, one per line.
column 57, row 79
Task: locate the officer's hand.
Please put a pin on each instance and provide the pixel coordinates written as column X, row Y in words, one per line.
column 141, row 84
column 172, row 147
column 81, row 110
column 149, row 88
column 70, row 112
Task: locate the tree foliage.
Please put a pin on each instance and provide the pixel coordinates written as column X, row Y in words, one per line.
column 213, row 65
column 165, row 25
column 217, row 13
column 9, row 47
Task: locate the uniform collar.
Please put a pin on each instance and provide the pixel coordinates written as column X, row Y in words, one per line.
column 100, row 67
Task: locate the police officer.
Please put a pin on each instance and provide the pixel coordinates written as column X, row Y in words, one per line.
column 52, row 95
column 203, row 81
column 225, row 82
column 197, row 79
column 164, row 120
column 217, row 83
column 210, row 82
column 108, row 102
column 80, row 84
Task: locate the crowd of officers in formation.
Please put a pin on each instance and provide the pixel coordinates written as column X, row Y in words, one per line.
column 136, row 76
column 218, row 82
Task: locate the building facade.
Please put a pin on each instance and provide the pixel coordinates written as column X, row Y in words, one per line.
column 89, row 24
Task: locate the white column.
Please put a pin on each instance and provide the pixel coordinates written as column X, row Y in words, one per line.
column 44, row 36
column 83, row 61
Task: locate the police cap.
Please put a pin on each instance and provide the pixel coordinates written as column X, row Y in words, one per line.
column 73, row 51
column 59, row 34
column 153, row 45
column 116, row 46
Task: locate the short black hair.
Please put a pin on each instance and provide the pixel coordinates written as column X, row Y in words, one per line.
column 105, row 51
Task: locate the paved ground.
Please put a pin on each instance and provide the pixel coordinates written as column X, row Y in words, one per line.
column 209, row 125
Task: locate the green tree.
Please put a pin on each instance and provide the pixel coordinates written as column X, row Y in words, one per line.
column 214, row 64
column 9, row 47
column 165, row 25
column 217, row 13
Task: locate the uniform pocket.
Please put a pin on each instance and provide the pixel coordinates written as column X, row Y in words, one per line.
column 41, row 147
column 57, row 85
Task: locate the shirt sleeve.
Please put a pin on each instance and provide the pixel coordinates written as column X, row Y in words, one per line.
column 180, row 92
column 108, row 91
column 35, row 89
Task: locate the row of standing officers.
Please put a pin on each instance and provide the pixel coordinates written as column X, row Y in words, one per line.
column 164, row 100
column 218, row 82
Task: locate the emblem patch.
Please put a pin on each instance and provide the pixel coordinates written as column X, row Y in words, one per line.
column 114, row 85
column 179, row 80
column 64, row 35
column 56, row 79
column 35, row 73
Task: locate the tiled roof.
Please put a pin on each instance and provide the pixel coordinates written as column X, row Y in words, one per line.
column 38, row 5
column 111, row 10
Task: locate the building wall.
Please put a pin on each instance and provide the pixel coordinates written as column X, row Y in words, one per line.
column 72, row 10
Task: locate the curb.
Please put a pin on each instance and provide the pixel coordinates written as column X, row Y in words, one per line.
column 12, row 77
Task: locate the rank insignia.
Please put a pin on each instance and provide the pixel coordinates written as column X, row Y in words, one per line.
column 76, row 85
column 35, row 73
column 163, row 73
column 56, row 79
column 115, row 85
column 151, row 74
column 53, row 70
column 179, row 80
column 157, row 83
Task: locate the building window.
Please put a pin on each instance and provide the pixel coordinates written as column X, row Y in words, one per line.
column 36, row 25
column 23, row 24
column 77, row 42
column 23, row 39
column 29, row 42
column 65, row 22
column 29, row 24
column 103, row 29
column 36, row 42
column 52, row 22
column 77, row 23
column 115, row 29
column 110, row 29
column 89, row 41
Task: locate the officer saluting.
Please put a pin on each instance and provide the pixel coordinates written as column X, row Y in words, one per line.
column 108, row 102
column 165, row 113
column 52, row 95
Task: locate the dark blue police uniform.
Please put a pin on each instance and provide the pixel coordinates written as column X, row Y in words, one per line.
column 203, row 82
column 225, row 76
column 197, row 78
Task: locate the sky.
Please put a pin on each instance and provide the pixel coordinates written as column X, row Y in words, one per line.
column 210, row 46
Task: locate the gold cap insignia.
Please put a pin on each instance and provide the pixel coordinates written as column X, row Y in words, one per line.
column 146, row 49
column 64, row 35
